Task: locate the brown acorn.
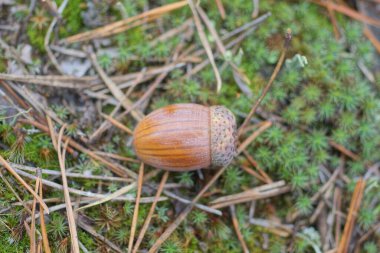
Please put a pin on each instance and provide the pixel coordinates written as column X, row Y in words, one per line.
column 184, row 137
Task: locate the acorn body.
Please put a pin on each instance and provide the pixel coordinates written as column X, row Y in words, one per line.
column 184, row 137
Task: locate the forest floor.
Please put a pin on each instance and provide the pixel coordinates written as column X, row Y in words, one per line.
column 301, row 77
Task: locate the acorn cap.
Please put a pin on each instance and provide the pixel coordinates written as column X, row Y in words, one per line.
column 223, row 136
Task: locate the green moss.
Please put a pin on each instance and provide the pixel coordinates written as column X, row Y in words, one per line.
column 36, row 37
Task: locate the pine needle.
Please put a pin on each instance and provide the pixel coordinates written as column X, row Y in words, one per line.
column 69, row 207
column 16, row 175
column 348, row 12
column 117, row 124
column 33, row 223
column 235, row 223
column 151, row 211
column 45, row 239
column 352, row 214
column 206, row 45
column 123, row 25
column 276, row 70
column 265, row 125
column 136, row 211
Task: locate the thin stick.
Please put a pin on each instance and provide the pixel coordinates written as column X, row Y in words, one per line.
column 47, row 38
column 114, row 89
column 365, row 237
column 337, row 206
column 122, row 25
column 83, row 225
column 117, row 124
column 288, row 38
column 113, row 195
column 68, row 174
column 69, row 207
column 45, row 239
column 205, row 44
column 334, row 23
column 220, row 6
column 136, row 211
column 120, row 192
column 265, row 125
column 151, row 211
column 52, row 132
column 92, row 195
column 170, row 229
column 117, row 157
column 267, row 178
column 253, row 173
column 16, row 175
column 15, row 193
column 237, row 230
column 349, row 12
column 114, row 168
column 255, row 11
column 344, row 150
column 33, row 225
column 369, row 34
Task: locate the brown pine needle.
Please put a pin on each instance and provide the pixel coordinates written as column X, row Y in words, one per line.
column 348, row 12
column 172, row 227
column 253, row 173
column 260, row 192
column 334, row 22
column 237, row 229
column 265, row 125
column 288, row 38
column 69, row 207
column 89, row 229
column 113, row 167
column 267, row 178
column 344, row 150
column 16, row 175
column 52, row 132
column 206, row 45
column 136, row 211
column 113, row 88
column 45, row 240
column 221, row 10
column 33, row 223
column 352, row 214
column 369, row 34
column 123, row 25
column 15, row 193
column 151, row 211
column 117, row 124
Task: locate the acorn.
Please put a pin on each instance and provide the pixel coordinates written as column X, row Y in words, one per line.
column 185, row 137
